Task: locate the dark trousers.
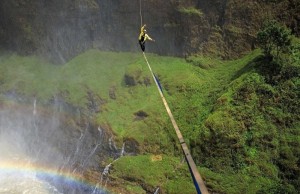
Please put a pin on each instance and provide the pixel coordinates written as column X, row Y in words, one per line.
column 142, row 44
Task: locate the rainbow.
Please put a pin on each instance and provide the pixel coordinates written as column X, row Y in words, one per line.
column 44, row 172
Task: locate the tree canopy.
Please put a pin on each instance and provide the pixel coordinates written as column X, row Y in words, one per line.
column 274, row 38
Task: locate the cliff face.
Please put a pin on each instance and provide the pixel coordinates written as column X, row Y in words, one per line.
column 60, row 29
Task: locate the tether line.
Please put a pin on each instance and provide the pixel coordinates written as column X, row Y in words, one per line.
column 141, row 13
column 198, row 181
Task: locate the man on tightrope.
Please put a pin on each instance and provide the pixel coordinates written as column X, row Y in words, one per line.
column 143, row 37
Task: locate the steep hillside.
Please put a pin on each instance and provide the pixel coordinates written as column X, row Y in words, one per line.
column 62, row 29
column 240, row 117
column 242, row 128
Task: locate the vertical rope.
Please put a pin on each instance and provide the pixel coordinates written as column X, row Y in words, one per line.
column 141, row 13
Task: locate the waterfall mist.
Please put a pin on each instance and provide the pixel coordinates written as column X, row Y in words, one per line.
column 34, row 140
column 60, row 30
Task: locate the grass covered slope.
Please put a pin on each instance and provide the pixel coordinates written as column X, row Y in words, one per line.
column 243, row 129
column 253, row 132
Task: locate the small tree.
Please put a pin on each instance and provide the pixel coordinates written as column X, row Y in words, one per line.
column 274, row 37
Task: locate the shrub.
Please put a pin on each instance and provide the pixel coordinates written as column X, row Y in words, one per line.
column 273, row 37
column 191, row 11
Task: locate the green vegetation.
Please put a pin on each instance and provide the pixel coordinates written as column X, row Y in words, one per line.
column 191, row 11
column 240, row 118
column 274, row 38
column 165, row 172
column 253, row 131
column 28, row 76
column 203, row 62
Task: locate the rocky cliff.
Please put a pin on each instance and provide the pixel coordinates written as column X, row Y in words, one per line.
column 60, row 29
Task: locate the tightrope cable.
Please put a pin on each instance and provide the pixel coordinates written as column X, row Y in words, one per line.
column 198, row 181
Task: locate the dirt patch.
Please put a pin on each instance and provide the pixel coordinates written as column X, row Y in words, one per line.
column 155, row 158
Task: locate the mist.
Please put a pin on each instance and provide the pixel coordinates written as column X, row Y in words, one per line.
column 60, row 30
column 37, row 142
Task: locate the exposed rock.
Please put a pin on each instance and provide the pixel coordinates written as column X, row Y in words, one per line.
column 129, row 80
column 131, row 146
column 140, row 115
column 112, row 92
column 60, row 29
column 58, row 136
column 94, row 102
column 134, row 76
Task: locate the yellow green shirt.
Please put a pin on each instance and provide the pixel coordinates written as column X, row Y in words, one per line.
column 143, row 34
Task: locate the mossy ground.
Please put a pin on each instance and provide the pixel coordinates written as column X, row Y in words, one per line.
column 216, row 109
column 168, row 173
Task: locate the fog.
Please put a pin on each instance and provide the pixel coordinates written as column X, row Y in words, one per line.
column 38, row 151
column 60, row 30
